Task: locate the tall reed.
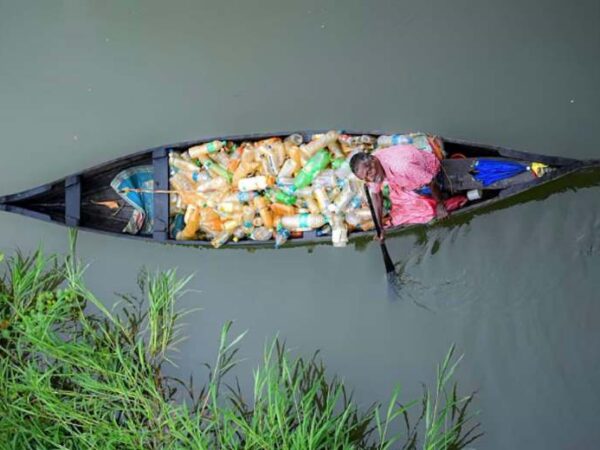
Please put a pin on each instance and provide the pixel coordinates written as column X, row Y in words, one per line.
column 73, row 379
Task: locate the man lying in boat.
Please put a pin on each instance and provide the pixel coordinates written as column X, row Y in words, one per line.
column 409, row 173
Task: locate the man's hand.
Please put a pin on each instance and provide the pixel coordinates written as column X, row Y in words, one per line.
column 379, row 237
column 441, row 211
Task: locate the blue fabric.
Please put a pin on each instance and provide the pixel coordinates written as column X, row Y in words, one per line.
column 424, row 190
column 488, row 171
column 140, row 177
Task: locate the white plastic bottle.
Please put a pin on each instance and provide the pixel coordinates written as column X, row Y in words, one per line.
column 253, row 184
column 303, row 222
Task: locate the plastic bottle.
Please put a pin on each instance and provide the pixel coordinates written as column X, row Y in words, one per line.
column 221, row 158
column 339, row 231
column 230, row 207
column 281, row 209
column 322, row 199
column 221, row 238
column 248, row 214
column 261, row 234
column 281, row 197
column 317, row 144
column 210, row 147
column 326, row 179
column 294, row 139
column 295, row 154
column 304, row 192
column 368, row 140
column 210, row 222
column 247, row 163
column 242, row 197
column 215, row 184
column 342, row 200
column 187, row 167
column 285, row 182
column 282, row 234
column 231, row 224
column 317, row 163
column 311, row 204
column 288, row 169
column 335, row 149
column 357, row 216
column 349, row 140
column 261, row 204
column 214, row 168
column 394, row 139
column 268, row 161
column 192, row 223
column 254, row 184
column 303, row 222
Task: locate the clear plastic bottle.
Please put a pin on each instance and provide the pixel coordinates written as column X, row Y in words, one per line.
column 322, row 199
column 311, row 204
column 294, row 139
column 254, row 184
column 342, row 201
column 248, row 214
column 247, row 163
column 393, row 139
column 214, row 184
column 321, row 142
column 335, row 149
column 210, row 147
column 339, row 231
column 221, row 238
column 230, row 207
column 326, row 179
column 303, row 222
column 261, row 204
column 261, row 234
column 356, row 217
column 242, row 197
column 288, row 169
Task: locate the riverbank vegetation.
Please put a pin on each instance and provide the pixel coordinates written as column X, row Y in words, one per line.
column 76, row 375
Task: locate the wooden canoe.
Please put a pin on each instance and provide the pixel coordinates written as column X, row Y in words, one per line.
column 76, row 200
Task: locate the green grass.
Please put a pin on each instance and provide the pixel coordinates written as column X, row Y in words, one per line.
column 72, row 379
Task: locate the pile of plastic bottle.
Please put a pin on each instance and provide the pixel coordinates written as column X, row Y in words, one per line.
column 271, row 189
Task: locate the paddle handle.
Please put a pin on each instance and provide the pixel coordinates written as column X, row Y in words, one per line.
column 387, row 261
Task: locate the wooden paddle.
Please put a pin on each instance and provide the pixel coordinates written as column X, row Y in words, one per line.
column 389, row 265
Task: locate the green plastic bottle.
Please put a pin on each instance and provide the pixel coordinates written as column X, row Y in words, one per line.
column 277, row 196
column 337, row 163
column 217, row 169
column 314, row 165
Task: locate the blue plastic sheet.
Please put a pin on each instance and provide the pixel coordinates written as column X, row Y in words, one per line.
column 139, row 178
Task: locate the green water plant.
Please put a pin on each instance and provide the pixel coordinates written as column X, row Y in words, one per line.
column 76, row 375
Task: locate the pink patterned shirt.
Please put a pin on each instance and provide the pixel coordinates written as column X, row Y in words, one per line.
column 406, row 169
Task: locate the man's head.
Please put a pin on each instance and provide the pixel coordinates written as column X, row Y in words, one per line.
column 367, row 168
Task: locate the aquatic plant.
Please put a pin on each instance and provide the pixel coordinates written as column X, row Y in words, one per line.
column 73, row 378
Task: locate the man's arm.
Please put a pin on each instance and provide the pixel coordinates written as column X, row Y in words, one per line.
column 436, row 193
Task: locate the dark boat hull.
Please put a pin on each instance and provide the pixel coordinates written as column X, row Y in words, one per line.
column 72, row 201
